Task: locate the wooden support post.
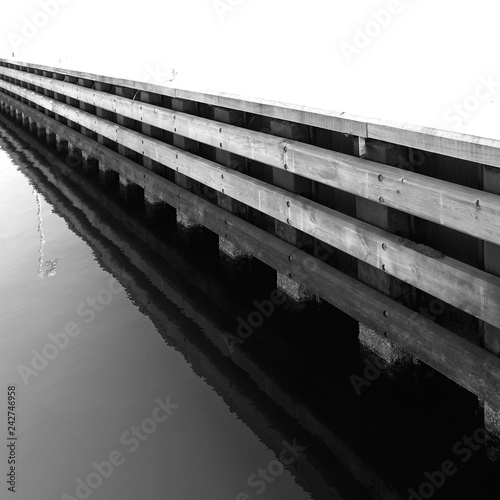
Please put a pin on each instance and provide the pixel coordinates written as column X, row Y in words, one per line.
column 293, row 184
column 491, row 334
column 188, row 145
column 236, row 162
column 32, row 126
column 154, row 209
column 37, row 89
column 74, row 157
column 72, row 102
column 337, row 199
column 40, row 132
column 86, row 107
column 107, row 115
column 50, row 138
column 149, row 130
column 89, row 164
column 61, row 145
column 125, row 122
column 59, row 97
column 107, row 176
column 129, row 191
column 396, row 222
column 48, row 93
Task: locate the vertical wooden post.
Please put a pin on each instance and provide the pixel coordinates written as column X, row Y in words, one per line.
column 393, row 221
column 37, row 89
column 106, row 175
column 40, row 132
column 293, row 184
column 105, row 114
column 59, row 97
column 88, row 162
column 61, row 145
column 72, row 102
column 154, row 209
column 187, row 145
column 61, row 142
column 335, row 198
column 88, row 84
column 231, row 117
column 129, row 191
column 32, row 125
column 50, row 139
column 74, row 156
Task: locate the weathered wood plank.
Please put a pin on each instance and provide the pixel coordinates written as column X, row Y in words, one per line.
column 454, row 282
column 464, row 209
column 330, row 120
column 463, row 362
column 458, row 145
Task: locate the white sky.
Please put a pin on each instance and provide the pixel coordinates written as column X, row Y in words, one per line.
column 431, row 55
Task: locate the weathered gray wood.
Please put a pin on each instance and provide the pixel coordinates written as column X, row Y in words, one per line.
column 463, row 362
column 444, row 142
column 458, row 145
column 338, row 121
column 464, row 209
column 454, row 282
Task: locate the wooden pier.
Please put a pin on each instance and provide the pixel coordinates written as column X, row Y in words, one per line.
column 397, row 226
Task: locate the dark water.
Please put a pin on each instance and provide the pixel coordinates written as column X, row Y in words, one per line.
column 82, row 405
column 147, row 376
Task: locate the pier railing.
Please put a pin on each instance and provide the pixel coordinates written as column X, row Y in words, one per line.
column 408, row 215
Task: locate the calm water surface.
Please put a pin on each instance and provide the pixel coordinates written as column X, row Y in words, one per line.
column 83, row 404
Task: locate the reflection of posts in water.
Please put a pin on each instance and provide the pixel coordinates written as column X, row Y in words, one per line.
column 49, row 264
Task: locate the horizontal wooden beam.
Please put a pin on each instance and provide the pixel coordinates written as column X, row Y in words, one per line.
column 464, row 209
column 465, row 287
column 330, row 120
column 472, row 148
column 464, row 146
column 455, row 357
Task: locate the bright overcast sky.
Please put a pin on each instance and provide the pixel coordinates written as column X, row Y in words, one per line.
column 413, row 61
